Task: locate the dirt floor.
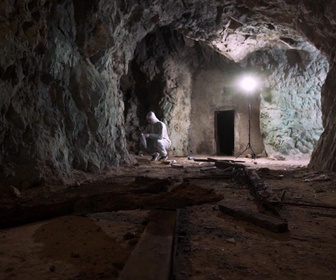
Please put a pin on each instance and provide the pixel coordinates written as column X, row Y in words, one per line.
column 95, row 236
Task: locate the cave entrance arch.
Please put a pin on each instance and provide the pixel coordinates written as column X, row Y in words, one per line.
column 224, row 130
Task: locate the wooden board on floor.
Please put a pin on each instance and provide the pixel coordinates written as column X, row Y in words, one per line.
column 271, row 223
column 227, row 164
column 226, row 160
column 204, row 159
column 153, row 256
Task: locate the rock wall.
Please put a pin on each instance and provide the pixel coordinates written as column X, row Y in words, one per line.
column 291, row 117
column 162, row 82
column 24, row 41
column 323, row 157
column 60, row 112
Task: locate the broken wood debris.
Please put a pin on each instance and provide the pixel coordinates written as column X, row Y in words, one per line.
column 227, row 164
column 263, row 195
column 218, row 160
column 176, row 165
column 101, row 200
column 319, row 214
column 308, row 204
column 223, row 164
column 204, row 159
column 208, row 168
column 226, row 160
column 271, row 223
column 210, row 177
column 260, row 190
column 321, row 178
column 144, row 184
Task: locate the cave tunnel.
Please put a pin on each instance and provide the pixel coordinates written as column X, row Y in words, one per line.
column 79, row 103
column 286, row 109
column 78, row 79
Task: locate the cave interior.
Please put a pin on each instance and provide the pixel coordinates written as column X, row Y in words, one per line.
column 78, row 79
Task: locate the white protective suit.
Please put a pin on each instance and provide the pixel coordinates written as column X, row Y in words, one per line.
column 154, row 138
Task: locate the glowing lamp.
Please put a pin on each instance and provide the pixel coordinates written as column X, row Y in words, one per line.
column 248, row 84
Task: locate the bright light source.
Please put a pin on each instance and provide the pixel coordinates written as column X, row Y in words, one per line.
column 248, row 84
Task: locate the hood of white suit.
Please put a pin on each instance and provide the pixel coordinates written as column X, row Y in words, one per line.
column 151, row 116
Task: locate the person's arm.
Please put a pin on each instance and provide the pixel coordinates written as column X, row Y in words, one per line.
column 147, row 130
column 158, row 129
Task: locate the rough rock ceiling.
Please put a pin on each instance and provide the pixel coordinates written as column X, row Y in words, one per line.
column 236, row 44
column 236, row 28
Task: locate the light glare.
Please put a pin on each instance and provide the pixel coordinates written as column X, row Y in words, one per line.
column 248, row 84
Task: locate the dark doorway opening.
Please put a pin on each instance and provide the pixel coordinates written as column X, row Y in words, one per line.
column 224, row 127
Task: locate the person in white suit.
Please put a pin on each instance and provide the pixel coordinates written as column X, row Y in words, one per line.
column 155, row 140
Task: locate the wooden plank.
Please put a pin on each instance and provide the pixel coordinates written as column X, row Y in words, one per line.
column 308, row 204
column 271, row 223
column 152, row 258
column 226, row 160
column 259, row 189
column 213, row 159
column 210, row 177
column 262, row 193
column 98, row 199
column 204, row 160
column 227, row 164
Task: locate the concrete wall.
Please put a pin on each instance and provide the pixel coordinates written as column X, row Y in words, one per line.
column 214, row 90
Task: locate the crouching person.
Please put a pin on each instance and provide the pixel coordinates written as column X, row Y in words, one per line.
column 155, row 140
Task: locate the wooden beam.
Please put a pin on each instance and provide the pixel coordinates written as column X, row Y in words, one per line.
column 210, row 177
column 264, row 196
column 226, row 160
column 308, row 204
column 152, row 258
column 227, row 164
column 271, row 223
column 203, row 160
column 102, row 199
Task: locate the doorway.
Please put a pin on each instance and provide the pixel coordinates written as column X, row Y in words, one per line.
column 224, row 128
